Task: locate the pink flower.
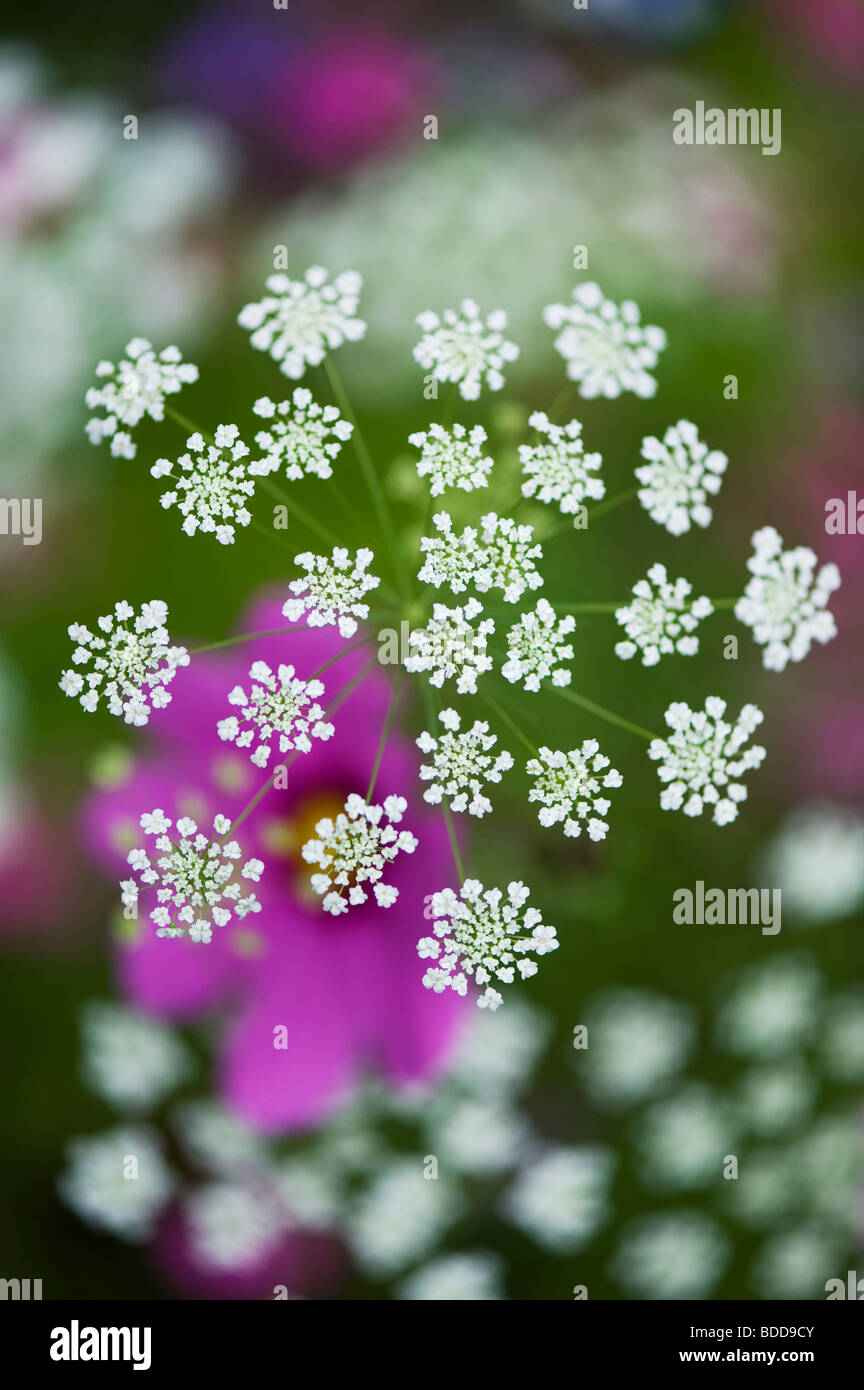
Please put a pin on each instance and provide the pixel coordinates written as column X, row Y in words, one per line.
column 347, row 989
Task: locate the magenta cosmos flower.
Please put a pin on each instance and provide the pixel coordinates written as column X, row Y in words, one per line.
column 347, row 989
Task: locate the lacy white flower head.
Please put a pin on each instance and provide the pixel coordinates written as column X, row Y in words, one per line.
column 605, row 346
column 558, row 470
column 461, row 763
column 280, row 704
column 681, row 1140
column 485, row 934
column 213, row 485
column 661, row 619
column 535, row 647
column 817, row 863
column 448, row 646
column 117, row 1181
column 450, row 559
column 636, row 1043
column 680, row 475
column 704, row 756
column 132, row 662
column 135, row 387
column 355, row 849
column 461, row 347
column 332, row 590
column 300, row 321
column 215, row 1140
column 304, row 437
column 562, row 1197
column 671, row 1255
column 770, row 1008
column 464, row 1277
column 452, row 457
column 475, row 1134
column 399, row 1218
column 569, row 787
column 129, row 1059
column 785, row 603
column 506, row 559
column 196, row 877
column 233, row 1225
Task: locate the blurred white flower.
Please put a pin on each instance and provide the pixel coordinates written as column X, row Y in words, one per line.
column 130, row 1059
column 561, row 1199
column 117, row 1181
column 465, row 1277
column 817, row 862
column 671, row 1255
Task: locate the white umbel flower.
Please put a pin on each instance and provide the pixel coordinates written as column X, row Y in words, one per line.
column 448, row 646
column 605, row 346
column 484, row 934
column 704, row 756
column 771, row 1008
column 636, row 1043
column 817, row 863
column 233, row 1225
column 332, row 590
column 671, row 1255
column 569, row 787
column 469, row 1277
column 450, row 559
column 132, row 662
column 681, row 1140
column 661, row 619
column 452, row 458
column 196, row 877
column 506, row 559
column 535, row 647
column 130, row 1059
column 680, row 475
column 213, row 485
column 304, row 437
column 355, row 849
column 300, row 321
column 562, row 1197
column 558, row 470
column 461, row 763
column 785, row 603
column 280, row 704
column 215, row 1140
column 117, row 1181
column 461, row 347
column 134, row 387
column 399, row 1217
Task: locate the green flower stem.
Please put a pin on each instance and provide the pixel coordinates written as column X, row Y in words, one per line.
column 246, row 637
column 300, row 512
column 506, row 719
column 385, row 731
column 610, row 503
column 567, row 694
column 432, row 713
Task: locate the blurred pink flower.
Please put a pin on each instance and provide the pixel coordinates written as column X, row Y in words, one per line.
column 832, row 31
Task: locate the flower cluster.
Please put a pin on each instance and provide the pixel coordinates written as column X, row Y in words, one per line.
column 785, row 602
column 131, row 664
column 134, row 387
column 213, row 486
column 678, row 478
column 485, row 935
column 194, row 875
column 558, row 470
column 460, row 347
column 449, row 646
column 452, row 458
column 605, row 346
column 567, row 785
column 661, row 619
column 461, row 763
column 535, row 648
column 300, row 321
column 304, row 437
column 332, row 590
column 355, row 849
column 704, row 756
column 280, row 704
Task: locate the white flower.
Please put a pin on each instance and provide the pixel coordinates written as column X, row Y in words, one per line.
column 399, row 1217
column 449, row 646
column 817, row 863
column 232, row 1224
column 484, row 935
column 671, row 1255
column 785, row 603
column 475, row 1134
column 213, row 485
column 131, row 664
column 355, row 849
column 461, row 764
column 460, row 347
column 497, row 1052
column 460, row 1278
column 452, row 458
column 661, row 619
column 777, row 1097
column 797, row 1263
column 681, row 1142
column 605, row 347
column 304, row 437
column 561, row 1198
column 558, row 470
column 703, row 756
column 678, row 477
column 194, row 876
column 300, row 321
column 770, row 1008
column 135, row 387
column 130, row 1059
column 281, row 704
column 636, row 1042
column 331, row 592
column 535, row 646
column 568, row 786
column 450, row 559
column 117, row 1181
column 506, row 559
column 842, row 1043
column 216, row 1140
